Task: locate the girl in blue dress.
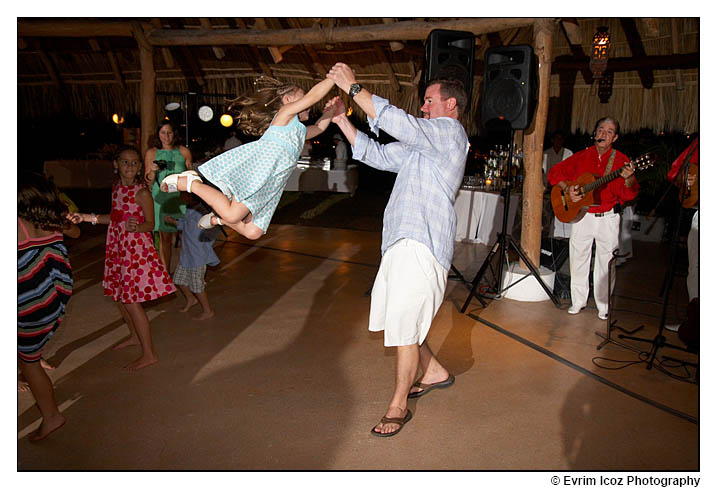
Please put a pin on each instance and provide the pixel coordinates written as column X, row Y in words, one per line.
column 252, row 177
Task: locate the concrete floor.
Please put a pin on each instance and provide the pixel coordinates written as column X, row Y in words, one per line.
column 287, row 377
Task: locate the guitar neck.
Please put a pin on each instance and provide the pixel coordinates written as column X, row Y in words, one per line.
column 603, row 180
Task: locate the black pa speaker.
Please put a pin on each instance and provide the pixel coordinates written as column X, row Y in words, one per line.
column 509, row 89
column 449, row 54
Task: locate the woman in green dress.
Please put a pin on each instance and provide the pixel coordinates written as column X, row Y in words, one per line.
column 171, row 158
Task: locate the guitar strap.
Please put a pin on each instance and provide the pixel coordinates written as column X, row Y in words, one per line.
column 609, row 165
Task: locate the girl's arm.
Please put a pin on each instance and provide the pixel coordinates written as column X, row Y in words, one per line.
column 150, row 167
column 333, row 108
column 75, row 218
column 187, row 157
column 144, row 199
column 288, row 111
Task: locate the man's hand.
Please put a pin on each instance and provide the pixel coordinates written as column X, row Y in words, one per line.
column 627, row 171
column 573, row 193
column 343, row 76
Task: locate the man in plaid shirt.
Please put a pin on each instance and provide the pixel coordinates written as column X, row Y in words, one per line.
column 419, row 226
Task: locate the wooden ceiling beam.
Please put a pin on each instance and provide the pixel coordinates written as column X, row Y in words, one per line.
column 635, row 42
column 275, row 51
column 112, row 57
column 397, row 31
column 317, row 66
column 166, row 53
column 77, row 28
column 675, row 38
column 393, row 45
column 206, row 24
column 650, row 25
column 572, row 30
column 630, row 63
column 256, row 61
column 49, row 66
column 386, row 66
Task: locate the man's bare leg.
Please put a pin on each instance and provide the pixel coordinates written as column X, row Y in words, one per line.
column 431, row 369
column 407, row 365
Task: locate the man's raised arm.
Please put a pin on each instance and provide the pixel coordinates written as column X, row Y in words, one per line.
column 344, row 78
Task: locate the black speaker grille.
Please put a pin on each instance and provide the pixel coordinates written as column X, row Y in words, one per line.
column 505, row 99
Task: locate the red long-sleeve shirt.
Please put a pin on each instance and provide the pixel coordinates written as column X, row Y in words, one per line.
column 589, row 161
column 678, row 162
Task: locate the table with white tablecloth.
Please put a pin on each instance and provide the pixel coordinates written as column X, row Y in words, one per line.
column 480, row 214
column 310, row 179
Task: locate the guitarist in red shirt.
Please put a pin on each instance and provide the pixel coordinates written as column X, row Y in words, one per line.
column 601, row 223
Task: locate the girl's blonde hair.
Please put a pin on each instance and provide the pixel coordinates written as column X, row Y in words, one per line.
column 256, row 109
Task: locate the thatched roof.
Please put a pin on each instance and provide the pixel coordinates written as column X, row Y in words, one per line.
column 91, row 67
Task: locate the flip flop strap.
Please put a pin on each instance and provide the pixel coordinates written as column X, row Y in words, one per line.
column 389, row 420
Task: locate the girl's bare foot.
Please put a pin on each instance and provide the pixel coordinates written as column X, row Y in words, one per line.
column 189, row 305
column 47, row 427
column 127, row 343
column 46, row 365
column 142, row 362
column 204, row 315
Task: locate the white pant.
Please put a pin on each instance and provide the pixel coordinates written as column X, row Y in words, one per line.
column 407, row 292
column 692, row 244
column 604, row 231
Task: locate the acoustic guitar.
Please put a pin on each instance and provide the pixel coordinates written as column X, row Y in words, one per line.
column 690, row 194
column 589, row 188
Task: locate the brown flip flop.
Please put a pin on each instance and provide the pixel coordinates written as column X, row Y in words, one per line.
column 425, row 388
column 390, row 420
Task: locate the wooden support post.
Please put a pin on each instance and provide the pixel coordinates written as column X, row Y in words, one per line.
column 533, row 146
column 148, row 95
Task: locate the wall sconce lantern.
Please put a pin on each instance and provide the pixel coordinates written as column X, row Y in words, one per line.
column 599, row 55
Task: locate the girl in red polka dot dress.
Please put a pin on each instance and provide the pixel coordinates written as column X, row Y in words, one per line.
column 133, row 271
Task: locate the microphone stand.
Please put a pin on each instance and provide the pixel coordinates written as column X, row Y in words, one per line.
column 660, row 340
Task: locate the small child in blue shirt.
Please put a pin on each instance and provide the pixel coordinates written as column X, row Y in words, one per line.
column 196, row 254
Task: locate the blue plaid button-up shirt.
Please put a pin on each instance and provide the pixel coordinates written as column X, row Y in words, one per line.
column 429, row 159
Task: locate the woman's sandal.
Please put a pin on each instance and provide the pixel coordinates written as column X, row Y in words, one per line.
column 205, row 222
column 169, row 183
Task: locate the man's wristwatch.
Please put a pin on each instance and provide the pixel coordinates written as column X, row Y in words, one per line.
column 354, row 89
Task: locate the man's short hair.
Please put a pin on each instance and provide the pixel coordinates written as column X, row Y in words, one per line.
column 452, row 88
column 607, row 119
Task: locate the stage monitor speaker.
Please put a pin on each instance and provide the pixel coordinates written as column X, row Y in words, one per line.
column 554, row 252
column 449, row 54
column 509, row 87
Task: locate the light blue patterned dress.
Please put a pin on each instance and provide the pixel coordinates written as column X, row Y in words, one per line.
column 256, row 173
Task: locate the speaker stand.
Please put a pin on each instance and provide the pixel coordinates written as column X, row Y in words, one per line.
column 502, row 244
